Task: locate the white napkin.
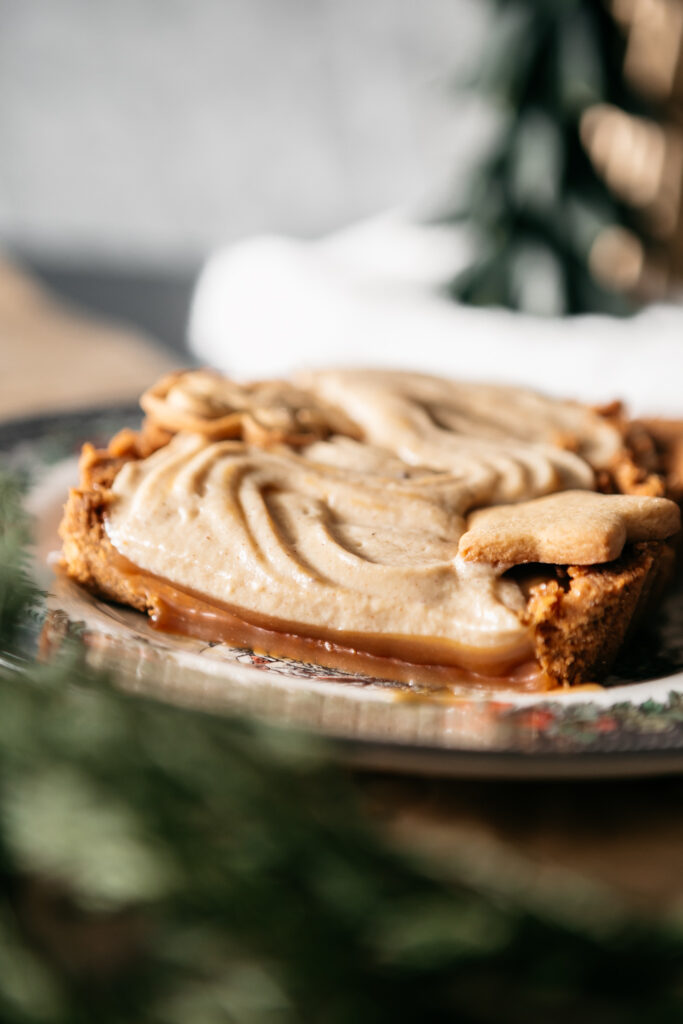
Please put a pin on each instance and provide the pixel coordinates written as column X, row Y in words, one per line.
column 368, row 296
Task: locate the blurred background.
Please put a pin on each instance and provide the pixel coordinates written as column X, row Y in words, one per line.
column 136, row 141
column 135, row 138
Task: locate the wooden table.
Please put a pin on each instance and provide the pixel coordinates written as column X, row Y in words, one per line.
column 53, row 357
column 615, row 838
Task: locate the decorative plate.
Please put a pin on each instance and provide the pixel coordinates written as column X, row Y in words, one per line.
column 634, row 725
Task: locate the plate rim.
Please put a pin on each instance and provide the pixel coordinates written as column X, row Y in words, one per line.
column 380, row 754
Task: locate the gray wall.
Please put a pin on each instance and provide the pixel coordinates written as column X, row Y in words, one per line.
column 148, row 130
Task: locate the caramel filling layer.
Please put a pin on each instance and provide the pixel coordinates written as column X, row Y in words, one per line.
column 187, row 613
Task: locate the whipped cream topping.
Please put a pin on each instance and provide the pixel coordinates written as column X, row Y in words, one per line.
column 504, row 444
column 361, row 537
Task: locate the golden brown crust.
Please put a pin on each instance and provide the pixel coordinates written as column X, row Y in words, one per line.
column 666, row 437
column 578, row 621
column 89, row 557
column 637, row 469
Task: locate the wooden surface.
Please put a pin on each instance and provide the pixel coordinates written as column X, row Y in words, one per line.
column 53, row 357
column 585, row 841
column 620, row 842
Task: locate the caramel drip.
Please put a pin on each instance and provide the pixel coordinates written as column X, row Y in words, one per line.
column 178, row 610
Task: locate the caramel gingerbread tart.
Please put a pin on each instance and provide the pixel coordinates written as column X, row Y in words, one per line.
column 409, row 527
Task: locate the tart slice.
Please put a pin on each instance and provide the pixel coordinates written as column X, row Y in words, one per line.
column 409, row 527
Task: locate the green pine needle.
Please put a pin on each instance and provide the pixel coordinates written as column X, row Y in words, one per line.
column 19, row 596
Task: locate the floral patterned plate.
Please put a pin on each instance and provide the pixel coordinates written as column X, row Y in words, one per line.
column 634, row 725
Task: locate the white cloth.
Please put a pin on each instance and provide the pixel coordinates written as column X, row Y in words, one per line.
column 368, row 296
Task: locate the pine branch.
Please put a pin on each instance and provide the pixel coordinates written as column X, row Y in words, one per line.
column 163, row 865
column 19, row 596
column 548, row 61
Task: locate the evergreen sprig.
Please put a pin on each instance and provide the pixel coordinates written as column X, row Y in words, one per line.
column 536, row 203
column 18, row 594
column 162, row 865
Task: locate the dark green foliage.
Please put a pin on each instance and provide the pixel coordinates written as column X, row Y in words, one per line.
column 18, row 595
column 163, row 865
column 536, row 204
